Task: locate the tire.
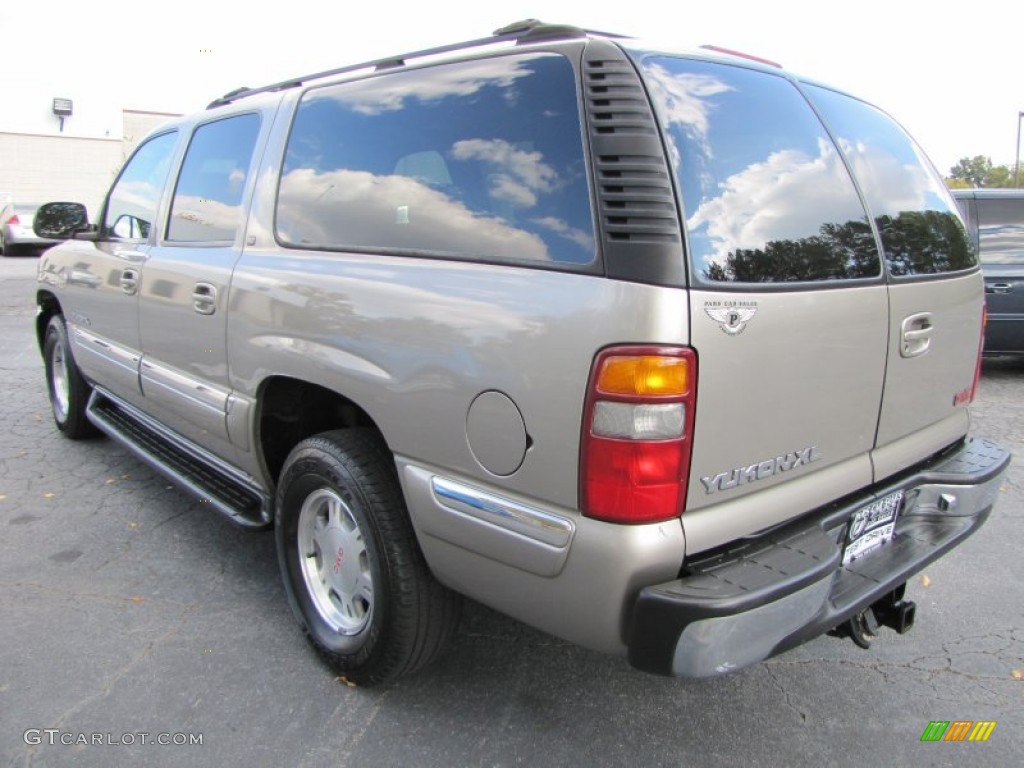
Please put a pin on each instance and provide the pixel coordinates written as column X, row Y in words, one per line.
column 68, row 390
column 353, row 571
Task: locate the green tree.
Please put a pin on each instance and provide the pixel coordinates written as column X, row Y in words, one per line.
column 999, row 176
column 972, row 170
column 978, row 171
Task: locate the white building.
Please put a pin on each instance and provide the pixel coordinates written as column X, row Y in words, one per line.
column 45, row 156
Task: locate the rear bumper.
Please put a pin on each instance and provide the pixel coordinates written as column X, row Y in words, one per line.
column 760, row 597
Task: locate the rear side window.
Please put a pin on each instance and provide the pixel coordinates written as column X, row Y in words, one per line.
column 766, row 195
column 207, row 203
column 1001, row 230
column 480, row 160
column 913, row 210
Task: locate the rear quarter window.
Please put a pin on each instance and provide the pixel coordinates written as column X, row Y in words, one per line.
column 479, row 160
column 913, row 211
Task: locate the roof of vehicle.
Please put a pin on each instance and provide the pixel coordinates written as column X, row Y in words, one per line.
column 989, row 194
column 518, row 33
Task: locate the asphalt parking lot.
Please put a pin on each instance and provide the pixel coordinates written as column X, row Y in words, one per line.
column 127, row 608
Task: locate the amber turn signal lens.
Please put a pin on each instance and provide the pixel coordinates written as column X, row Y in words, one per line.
column 646, row 375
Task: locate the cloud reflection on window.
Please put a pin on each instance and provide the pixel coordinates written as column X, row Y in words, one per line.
column 388, row 94
column 477, row 160
column 786, row 197
column 362, row 209
column 767, row 196
column 517, row 175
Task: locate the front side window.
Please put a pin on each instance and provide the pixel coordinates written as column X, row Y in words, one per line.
column 132, row 205
column 913, row 210
column 481, row 159
column 207, row 203
column 767, row 198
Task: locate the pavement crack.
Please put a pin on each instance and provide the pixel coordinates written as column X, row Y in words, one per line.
column 785, row 694
column 113, row 679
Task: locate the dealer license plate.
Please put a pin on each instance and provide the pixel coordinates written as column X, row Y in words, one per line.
column 872, row 526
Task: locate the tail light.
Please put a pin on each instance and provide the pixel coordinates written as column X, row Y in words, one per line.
column 637, row 433
column 13, row 221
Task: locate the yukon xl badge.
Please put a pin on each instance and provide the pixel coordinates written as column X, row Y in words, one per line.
column 732, row 316
column 733, row 478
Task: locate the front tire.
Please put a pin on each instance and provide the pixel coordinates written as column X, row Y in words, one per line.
column 68, row 390
column 353, row 571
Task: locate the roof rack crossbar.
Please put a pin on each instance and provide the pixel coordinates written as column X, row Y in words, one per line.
column 524, row 31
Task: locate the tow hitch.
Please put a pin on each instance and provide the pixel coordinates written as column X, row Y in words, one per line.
column 891, row 611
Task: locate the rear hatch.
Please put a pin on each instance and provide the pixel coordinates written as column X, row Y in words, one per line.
column 823, row 365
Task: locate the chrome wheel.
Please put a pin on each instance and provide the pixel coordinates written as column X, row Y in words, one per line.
column 60, row 382
column 334, row 562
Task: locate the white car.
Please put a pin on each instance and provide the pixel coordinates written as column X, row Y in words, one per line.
column 16, row 235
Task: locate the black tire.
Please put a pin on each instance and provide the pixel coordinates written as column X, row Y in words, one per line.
column 68, row 390
column 353, row 571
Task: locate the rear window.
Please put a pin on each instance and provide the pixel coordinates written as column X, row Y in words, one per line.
column 477, row 160
column 913, row 210
column 766, row 195
column 1001, row 230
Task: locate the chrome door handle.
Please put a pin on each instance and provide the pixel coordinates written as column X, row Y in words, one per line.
column 204, row 298
column 129, row 281
column 916, row 334
column 999, row 288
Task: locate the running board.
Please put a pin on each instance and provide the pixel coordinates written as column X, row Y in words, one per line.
column 187, row 465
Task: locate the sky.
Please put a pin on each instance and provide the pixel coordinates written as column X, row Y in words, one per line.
column 939, row 68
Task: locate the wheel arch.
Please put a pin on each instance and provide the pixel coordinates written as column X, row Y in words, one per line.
column 48, row 307
column 289, row 410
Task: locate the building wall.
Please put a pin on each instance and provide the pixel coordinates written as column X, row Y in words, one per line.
column 137, row 125
column 39, row 168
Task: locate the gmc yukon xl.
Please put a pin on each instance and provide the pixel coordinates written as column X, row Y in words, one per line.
column 665, row 352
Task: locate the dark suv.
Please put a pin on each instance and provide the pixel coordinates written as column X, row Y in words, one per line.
column 995, row 221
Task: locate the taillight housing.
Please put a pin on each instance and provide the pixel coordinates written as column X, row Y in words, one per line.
column 14, row 221
column 637, row 433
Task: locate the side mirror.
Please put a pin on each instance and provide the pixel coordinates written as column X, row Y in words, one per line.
column 60, row 221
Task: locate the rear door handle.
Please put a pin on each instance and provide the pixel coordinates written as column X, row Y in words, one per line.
column 916, row 334
column 129, row 281
column 204, row 298
column 999, row 288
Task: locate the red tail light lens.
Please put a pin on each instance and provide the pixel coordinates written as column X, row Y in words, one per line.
column 13, row 221
column 637, row 433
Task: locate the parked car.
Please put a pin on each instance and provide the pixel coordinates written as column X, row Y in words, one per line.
column 16, row 234
column 599, row 334
column 995, row 220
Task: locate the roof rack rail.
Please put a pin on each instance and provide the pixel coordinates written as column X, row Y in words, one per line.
column 742, row 55
column 526, row 31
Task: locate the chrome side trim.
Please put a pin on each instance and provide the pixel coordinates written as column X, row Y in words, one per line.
column 179, row 385
column 110, row 352
column 527, row 521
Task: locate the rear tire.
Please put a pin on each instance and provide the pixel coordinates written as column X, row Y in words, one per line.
column 353, row 571
column 68, row 390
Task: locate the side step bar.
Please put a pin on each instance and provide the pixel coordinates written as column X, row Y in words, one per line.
column 185, row 464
